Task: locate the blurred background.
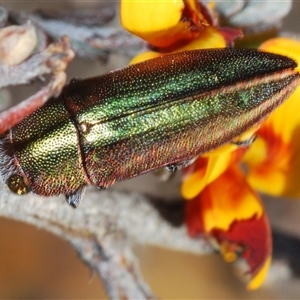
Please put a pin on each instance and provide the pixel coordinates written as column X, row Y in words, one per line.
column 35, row 264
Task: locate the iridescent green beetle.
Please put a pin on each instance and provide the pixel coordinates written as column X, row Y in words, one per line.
column 162, row 112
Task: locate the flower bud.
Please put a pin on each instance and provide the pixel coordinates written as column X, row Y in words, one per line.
column 17, row 43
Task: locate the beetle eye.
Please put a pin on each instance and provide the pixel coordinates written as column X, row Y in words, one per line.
column 16, row 184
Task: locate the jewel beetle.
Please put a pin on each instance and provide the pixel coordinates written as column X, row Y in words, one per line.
column 162, row 112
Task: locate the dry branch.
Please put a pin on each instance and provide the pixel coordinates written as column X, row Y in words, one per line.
column 102, row 230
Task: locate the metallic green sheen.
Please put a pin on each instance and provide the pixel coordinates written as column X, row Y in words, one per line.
column 173, row 108
column 46, row 148
column 160, row 112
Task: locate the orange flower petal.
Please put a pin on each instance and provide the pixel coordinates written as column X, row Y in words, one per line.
column 231, row 199
column 227, row 199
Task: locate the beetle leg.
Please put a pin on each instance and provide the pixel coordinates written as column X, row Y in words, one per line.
column 245, row 143
column 178, row 166
column 75, row 198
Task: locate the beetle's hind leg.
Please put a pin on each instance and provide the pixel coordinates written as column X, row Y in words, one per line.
column 179, row 166
column 245, row 143
column 75, row 198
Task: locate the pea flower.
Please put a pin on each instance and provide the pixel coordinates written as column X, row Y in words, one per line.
column 222, row 204
column 174, row 26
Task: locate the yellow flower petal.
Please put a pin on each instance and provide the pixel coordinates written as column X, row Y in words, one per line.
column 161, row 23
column 274, row 158
column 217, row 165
column 217, row 161
column 145, row 56
column 283, row 46
column 285, row 119
column 149, row 17
column 194, row 184
column 257, row 154
column 209, row 37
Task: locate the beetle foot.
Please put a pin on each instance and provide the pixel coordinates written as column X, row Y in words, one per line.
column 245, row 143
column 75, row 198
column 178, row 166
